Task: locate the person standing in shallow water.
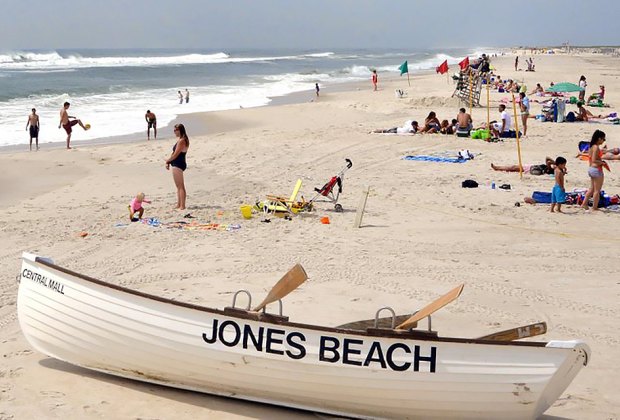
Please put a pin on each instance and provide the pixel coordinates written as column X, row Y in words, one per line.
column 178, row 164
column 375, row 79
column 186, row 96
column 180, row 97
column 151, row 121
column 317, row 89
column 33, row 122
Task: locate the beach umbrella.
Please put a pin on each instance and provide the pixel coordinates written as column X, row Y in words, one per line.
column 565, row 87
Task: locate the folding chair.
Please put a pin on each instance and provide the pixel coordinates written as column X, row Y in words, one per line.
column 274, row 203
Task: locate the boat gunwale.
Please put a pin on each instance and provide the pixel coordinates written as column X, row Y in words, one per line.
column 276, row 320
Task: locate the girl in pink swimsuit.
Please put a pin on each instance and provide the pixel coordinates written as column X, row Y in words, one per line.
column 136, row 206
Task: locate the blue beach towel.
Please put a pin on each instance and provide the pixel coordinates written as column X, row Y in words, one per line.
column 425, row 158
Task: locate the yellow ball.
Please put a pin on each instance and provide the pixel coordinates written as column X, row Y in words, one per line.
column 87, row 126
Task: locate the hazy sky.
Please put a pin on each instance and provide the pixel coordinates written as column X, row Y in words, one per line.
column 310, row 24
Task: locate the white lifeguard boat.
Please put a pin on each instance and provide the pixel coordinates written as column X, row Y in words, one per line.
column 262, row 357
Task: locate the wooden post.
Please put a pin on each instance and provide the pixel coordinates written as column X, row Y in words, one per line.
column 360, row 208
column 471, row 88
column 488, row 105
column 514, row 107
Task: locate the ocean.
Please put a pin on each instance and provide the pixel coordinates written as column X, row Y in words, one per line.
column 112, row 89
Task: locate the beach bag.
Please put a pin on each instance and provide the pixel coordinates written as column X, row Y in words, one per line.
column 476, row 134
column 542, row 197
column 570, row 117
column 537, row 170
column 469, row 183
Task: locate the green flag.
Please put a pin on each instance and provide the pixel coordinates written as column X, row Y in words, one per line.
column 403, row 68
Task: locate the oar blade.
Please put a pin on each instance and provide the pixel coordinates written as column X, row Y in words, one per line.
column 518, row 333
column 431, row 307
column 383, row 322
column 289, row 282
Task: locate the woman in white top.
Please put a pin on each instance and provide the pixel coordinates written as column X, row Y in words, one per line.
column 582, row 85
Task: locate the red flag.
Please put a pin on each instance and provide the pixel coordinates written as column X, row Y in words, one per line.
column 464, row 64
column 443, row 68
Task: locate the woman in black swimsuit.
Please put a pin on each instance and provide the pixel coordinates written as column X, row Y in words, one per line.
column 178, row 163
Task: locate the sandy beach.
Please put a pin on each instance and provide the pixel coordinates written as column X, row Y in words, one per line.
column 421, row 235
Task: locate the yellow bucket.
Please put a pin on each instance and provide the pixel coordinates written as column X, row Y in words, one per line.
column 246, row 211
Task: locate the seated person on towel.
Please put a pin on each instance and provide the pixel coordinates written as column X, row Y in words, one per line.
column 545, row 168
column 410, row 127
column 600, row 96
column 464, row 120
column 446, row 127
column 585, row 115
column 502, row 129
column 538, row 90
column 431, row 124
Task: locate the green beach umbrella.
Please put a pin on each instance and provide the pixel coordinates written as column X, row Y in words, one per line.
column 564, row 87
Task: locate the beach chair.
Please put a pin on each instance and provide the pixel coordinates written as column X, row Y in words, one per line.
column 275, row 203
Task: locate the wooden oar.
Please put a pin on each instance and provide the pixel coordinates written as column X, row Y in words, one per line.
column 289, row 282
column 431, row 307
column 531, row 330
column 383, row 322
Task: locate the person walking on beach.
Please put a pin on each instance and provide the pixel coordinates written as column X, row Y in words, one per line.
column 558, row 194
column 186, row 96
column 151, row 121
column 180, row 97
column 178, row 163
column 375, row 80
column 516, row 63
column 595, row 170
column 525, row 111
column 67, row 122
column 317, row 89
column 33, row 122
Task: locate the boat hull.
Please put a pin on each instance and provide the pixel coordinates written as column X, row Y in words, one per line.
column 99, row 326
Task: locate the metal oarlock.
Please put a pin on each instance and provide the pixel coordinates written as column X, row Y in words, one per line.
column 234, row 302
column 279, row 304
column 385, row 308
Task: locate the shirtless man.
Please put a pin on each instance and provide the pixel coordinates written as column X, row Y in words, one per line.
column 33, row 122
column 465, row 123
column 151, row 120
column 67, row 121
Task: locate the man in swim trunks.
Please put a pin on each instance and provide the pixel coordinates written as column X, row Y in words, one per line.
column 186, row 96
column 33, row 122
column 465, row 122
column 67, row 122
column 151, row 121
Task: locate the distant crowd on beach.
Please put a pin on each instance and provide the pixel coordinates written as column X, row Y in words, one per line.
column 552, row 110
column 461, row 125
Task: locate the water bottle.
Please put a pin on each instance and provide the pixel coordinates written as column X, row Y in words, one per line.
column 492, row 185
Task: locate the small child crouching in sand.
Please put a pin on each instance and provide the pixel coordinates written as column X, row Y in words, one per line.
column 558, row 194
column 136, row 206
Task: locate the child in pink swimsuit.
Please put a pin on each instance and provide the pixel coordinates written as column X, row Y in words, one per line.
column 136, row 206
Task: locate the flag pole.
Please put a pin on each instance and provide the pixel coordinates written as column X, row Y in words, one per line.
column 488, row 105
column 514, row 108
column 408, row 82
